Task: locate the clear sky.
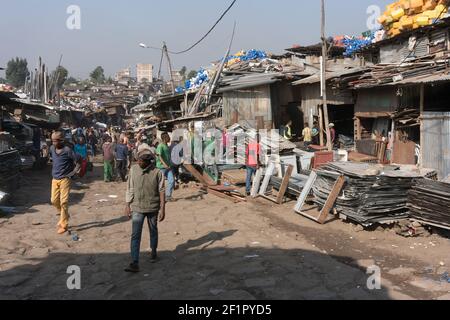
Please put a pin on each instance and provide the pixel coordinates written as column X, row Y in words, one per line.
column 111, row 30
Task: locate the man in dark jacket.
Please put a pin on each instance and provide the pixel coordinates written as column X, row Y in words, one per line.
column 65, row 162
column 145, row 199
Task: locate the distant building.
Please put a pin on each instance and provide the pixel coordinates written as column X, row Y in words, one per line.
column 124, row 74
column 144, row 72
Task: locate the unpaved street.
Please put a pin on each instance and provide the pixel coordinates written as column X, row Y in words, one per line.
column 210, row 248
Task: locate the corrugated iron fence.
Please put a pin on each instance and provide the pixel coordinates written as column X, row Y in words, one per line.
column 436, row 142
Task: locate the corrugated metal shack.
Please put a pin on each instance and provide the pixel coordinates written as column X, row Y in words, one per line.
column 403, row 98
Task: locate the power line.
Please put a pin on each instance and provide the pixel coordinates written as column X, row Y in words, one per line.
column 209, row 32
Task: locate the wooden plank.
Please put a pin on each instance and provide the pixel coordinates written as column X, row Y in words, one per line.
column 306, row 191
column 208, row 179
column 284, row 184
column 256, row 183
column 266, row 181
column 331, row 200
column 190, row 168
column 373, row 114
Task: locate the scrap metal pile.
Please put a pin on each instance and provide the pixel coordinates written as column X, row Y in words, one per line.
column 406, row 118
column 372, row 193
column 385, row 74
column 429, row 202
column 255, row 61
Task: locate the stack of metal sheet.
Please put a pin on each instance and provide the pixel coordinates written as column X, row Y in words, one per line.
column 296, row 184
column 429, row 202
column 372, row 193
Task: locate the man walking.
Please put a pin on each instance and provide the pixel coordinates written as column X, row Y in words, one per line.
column 163, row 164
column 64, row 167
column 253, row 153
column 145, row 199
column 108, row 158
column 121, row 151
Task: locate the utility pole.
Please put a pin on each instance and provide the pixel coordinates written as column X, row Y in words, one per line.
column 166, row 52
column 324, row 80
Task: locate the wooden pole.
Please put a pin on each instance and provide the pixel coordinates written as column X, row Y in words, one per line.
column 170, row 67
column 324, row 79
column 422, row 110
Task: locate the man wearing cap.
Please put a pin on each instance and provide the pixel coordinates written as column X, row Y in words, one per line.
column 64, row 168
column 145, row 199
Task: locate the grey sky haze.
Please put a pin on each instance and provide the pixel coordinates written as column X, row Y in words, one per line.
column 111, row 30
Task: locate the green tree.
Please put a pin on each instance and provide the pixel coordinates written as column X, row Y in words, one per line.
column 17, row 72
column 98, row 75
column 183, row 71
column 71, row 80
column 2, row 80
column 192, row 74
column 110, row 80
column 60, row 75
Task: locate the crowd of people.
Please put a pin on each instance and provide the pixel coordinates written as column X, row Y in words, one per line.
column 145, row 163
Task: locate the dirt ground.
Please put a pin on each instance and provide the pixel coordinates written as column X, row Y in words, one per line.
column 210, row 248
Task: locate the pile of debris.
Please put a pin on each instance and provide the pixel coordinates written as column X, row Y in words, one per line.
column 385, row 74
column 372, row 193
column 429, row 202
column 406, row 118
column 255, row 61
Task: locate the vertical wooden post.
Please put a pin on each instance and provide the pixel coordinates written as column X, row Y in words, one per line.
column 322, row 141
column 422, row 110
column 324, row 80
column 170, row 67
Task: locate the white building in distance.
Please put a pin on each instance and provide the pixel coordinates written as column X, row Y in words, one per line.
column 144, row 71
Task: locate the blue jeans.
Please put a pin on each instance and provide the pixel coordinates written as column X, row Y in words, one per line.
column 168, row 174
column 136, row 237
column 250, row 173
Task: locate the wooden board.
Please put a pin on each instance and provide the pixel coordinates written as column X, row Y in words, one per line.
column 203, row 179
column 285, row 184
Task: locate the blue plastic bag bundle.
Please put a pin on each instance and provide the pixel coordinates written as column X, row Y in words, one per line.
column 202, row 77
column 353, row 44
column 249, row 55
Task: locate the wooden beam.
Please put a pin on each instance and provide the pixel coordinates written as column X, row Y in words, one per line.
column 285, row 184
column 190, row 168
column 373, row 114
column 422, row 133
column 331, row 200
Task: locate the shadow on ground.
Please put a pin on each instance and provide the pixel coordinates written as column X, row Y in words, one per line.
column 36, row 185
column 200, row 269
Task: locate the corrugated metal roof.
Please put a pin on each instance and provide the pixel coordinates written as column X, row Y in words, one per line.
column 330, row 75
column 238, row 82
column 440, row 77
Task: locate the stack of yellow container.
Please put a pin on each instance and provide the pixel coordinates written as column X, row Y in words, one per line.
column 406, row 15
